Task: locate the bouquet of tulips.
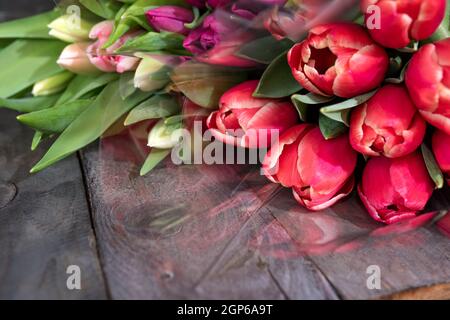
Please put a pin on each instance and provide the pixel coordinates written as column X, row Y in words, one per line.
column 340, row 93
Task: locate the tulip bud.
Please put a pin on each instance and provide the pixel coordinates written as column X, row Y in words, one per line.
column 394, row 190
column 319, row 171
column 245, row 121
column 441, row 150
column 169, row 18
column 52, row 85
column 68, row 29
column 427, row 79
column 387, row 124
column 151, row 74
column 338, row 59
column 401, row 22
column 105, row 59
column 165, row 136
column 74, row 58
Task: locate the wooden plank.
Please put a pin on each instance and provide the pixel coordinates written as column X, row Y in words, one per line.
column 186, row 231
column 22, row 8
column 414, row 258
column 44, row 223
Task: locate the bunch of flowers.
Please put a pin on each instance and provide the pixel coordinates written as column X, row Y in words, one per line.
column 357, row 92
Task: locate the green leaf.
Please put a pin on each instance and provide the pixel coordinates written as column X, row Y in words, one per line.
column 158, row 106
column 25, row 62
column 433, row 168
column 37, row 139
column 442, row 32
column 126, row 85
column 198, row 18
column 349, row 103
column 91, row 124
column 154, row 158
column 29, row 104
column 106, row 9
column 342, row 116
column 312, row 98
column 31, row 27
column 82, row 85
column 302, row 109
column 153, row 41
column 331, row 129
column 56, row 119
column 265, row 49
column 5, row 42
column 400, row 79
column 205, row 84
column 411, row 48
column 129, row 17
column 395, row 66
column 277, row 81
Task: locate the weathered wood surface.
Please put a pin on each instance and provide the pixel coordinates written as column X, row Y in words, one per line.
column 185, row 232
column 224, row 232
column 44, row 223
column 191, row 232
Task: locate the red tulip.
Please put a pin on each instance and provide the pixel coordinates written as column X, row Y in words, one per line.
column 403, row 21
column 388, row 124
column 393, row 190
column 243, row 120
column 338, row 59
column 441, row 150
column 319, row 171
column 428, row 82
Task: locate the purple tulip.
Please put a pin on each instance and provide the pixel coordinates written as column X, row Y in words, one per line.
column 216, row 41
column 169, row 18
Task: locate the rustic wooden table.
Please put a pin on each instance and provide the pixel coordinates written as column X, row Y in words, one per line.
column 206, row 232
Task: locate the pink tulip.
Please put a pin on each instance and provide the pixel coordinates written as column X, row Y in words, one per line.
column 319, row 171
column 105, row 59
column 441, row 150
column 402, row 21
column 338, row 59
column 388, row 124
column 169, row 18
column 428, row 82
column 245, row 121
column 394, row 190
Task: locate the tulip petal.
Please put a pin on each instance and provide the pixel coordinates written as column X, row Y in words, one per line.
column 411, row 181
column 320, row 167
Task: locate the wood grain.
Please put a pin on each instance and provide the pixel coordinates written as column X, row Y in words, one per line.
column 344, row 241
column 187, row 232
column 224, row 232
column 44, row 223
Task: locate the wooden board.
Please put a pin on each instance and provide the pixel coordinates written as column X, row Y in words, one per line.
column 183, row 232
column 44, row 223
column 225, row 232
column 192, row 232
